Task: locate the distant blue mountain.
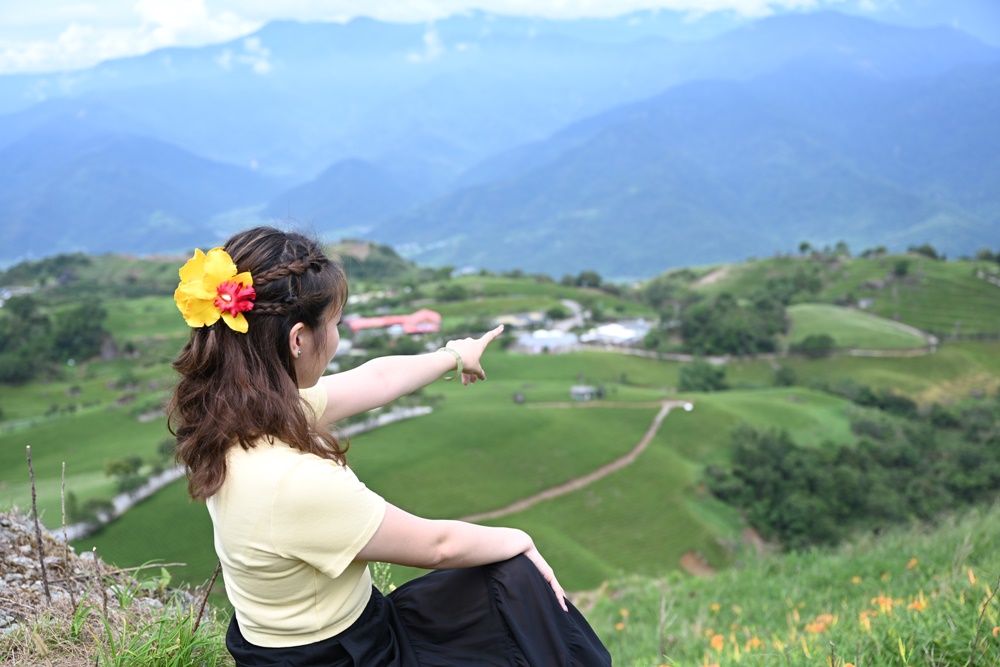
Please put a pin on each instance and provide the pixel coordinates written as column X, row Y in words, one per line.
column 426, row 103
column 980, row 18
column 71, row 186
column 718, row 171
column 351, row 194
column 409, row 113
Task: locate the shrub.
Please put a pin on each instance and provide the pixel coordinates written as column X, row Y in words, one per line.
column 699, row 375
column 785, row 377
column 815, row 346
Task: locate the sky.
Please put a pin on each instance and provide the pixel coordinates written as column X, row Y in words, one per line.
column 54, row 35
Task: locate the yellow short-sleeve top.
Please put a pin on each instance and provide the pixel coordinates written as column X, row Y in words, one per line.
column 288, row 526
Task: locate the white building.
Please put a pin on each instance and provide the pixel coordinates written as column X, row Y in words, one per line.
column 618, row 333
column 545, row 340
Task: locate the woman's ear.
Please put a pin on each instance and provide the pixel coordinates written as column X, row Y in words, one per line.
column 295, row 336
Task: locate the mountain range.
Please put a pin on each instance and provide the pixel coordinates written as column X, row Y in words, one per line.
column 621, row 145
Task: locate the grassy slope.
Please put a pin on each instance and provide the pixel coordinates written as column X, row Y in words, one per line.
column 933, row 296
column 912, row 596
column 849, row 328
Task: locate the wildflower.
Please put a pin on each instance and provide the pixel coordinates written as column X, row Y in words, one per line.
column 972, row 577
column 718, row 641
column 884, row 603
column 865, row 621
column 885, row 576
column 623, row 613
column 912, row 563
column 754, row 642
column 855, row 579
column 919, row 604
column 820, row 624
column 996, row 630
column 737, row 609
column 619, row 626
column 714, row 606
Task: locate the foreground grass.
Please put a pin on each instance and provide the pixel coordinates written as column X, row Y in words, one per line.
column 916, row 596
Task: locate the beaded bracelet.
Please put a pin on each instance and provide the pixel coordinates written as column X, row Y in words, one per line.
column 458, row 360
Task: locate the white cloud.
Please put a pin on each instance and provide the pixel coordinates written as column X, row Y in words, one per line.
column 256, row 55
column 433, row 47
column 160, row 23
column 47, row 35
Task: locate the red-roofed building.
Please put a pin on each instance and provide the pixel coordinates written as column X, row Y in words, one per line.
column 421, row 322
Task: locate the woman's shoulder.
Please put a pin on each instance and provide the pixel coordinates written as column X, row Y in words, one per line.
column 314, row 398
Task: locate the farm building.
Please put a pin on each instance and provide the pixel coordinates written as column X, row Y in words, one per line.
column 421, row 322
column 545, row 340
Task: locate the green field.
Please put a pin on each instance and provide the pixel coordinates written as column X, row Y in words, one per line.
column 850, row 329
column 432, row 466
column 640, row 519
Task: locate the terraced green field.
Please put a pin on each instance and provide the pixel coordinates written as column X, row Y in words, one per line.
column 943, row 298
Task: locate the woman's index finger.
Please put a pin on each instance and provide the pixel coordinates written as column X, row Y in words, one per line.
column 491, row 334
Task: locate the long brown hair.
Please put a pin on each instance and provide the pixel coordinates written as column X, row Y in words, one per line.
column 242, row 388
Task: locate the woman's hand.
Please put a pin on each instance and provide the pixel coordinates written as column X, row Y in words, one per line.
column 547, row 574
column 471, row 350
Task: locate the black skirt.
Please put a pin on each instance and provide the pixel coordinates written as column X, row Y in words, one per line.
column 499, row 615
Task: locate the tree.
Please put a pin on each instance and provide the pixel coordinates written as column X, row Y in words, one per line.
column 126, row 472
column 724, row 326
column 452, row 293
column 78, row 331
column 804, row 248
column 927, row 250
column 785, row 377
column 815, row 345
column 699, row 375
column 986, row 255
column 557, row 313
column 877, row 251
column 901, row 268
column 588, row 279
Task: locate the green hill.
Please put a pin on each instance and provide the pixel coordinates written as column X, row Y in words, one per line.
column 945, row 298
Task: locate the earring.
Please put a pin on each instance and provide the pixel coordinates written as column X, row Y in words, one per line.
column 298, row 353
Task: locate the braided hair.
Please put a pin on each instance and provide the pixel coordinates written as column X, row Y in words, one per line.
column 242, row 388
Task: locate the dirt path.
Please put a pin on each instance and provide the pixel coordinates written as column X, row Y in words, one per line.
column 589, row 478
column 711, row 278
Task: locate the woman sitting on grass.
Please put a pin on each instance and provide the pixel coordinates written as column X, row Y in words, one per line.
column 295, row 528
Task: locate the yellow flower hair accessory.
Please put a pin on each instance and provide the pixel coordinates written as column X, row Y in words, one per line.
column 211, row 288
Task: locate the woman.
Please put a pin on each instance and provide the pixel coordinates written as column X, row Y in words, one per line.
column 294, row 527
